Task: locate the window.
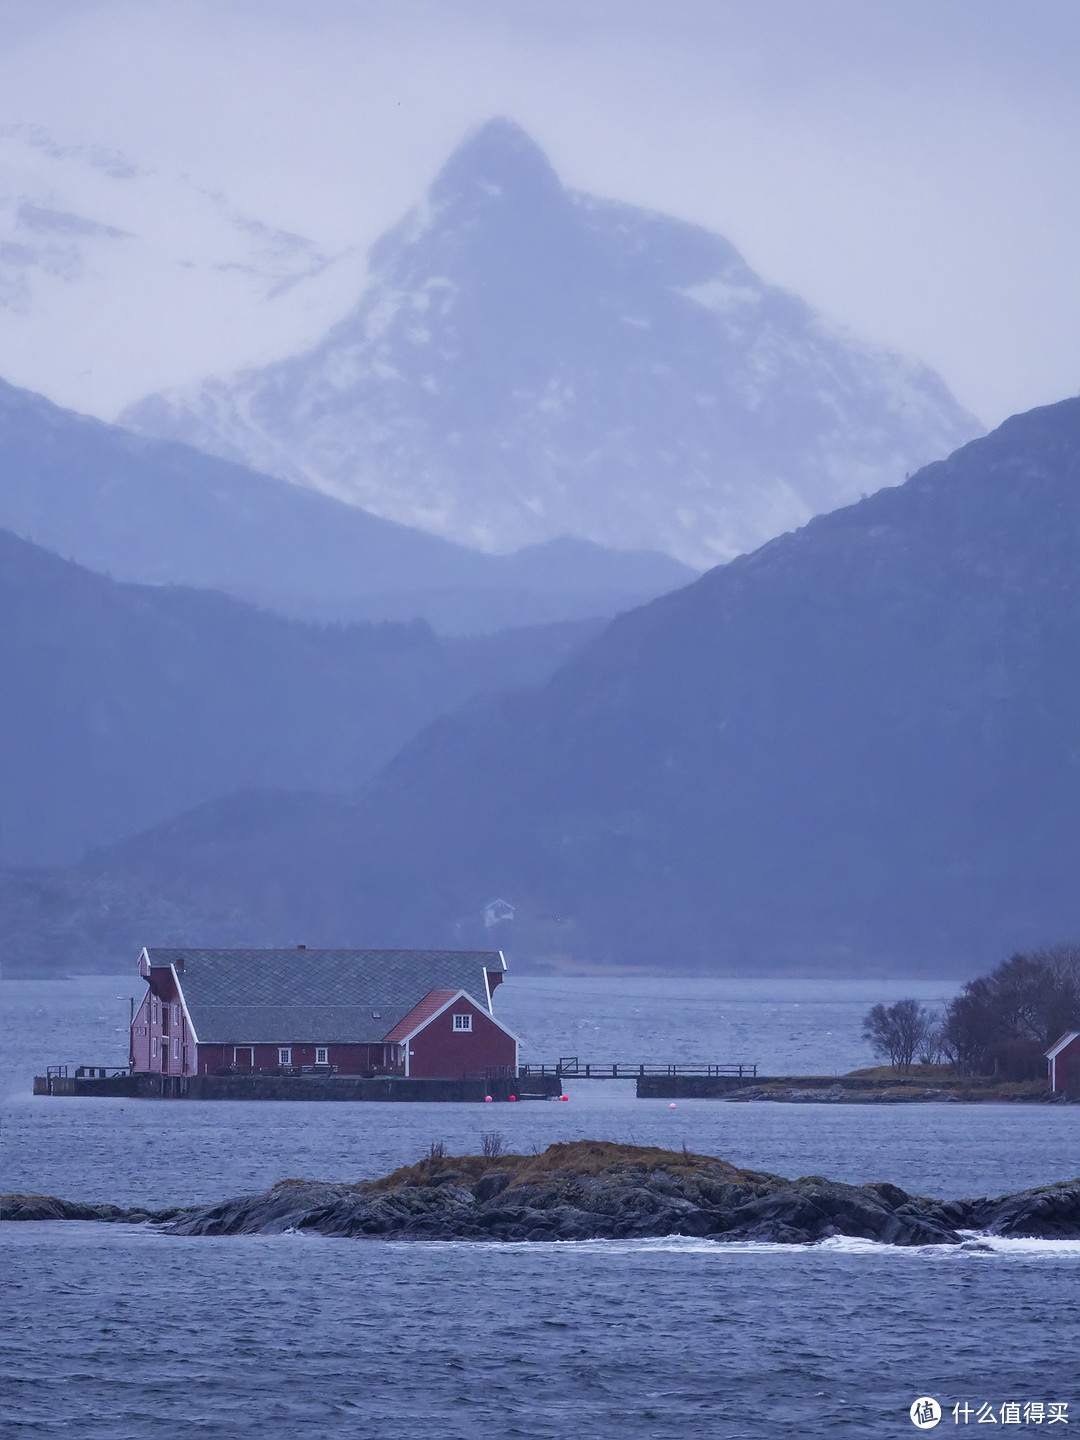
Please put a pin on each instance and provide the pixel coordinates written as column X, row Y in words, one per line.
column 176, row 1014
column 462, row 1022
column 284, row 1055
column 153, row 1052
column 322, row 1055
column 176, row 1049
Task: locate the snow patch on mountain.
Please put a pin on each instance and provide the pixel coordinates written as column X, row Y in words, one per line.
column 100, row 255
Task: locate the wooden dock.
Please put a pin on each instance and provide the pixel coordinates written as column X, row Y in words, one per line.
column 532, row 1082
column 570, row 1067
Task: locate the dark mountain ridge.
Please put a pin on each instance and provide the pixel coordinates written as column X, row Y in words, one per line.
column 156, row 513
column 123, row 704
column 855, row 749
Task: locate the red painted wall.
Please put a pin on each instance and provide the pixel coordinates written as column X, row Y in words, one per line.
column 1067, row 1063
column 346, row 1059
column 161, row 1039
column 439, row 1052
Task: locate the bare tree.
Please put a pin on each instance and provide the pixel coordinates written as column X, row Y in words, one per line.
column 492, row 1145
column 1002, row 1023
column 934, row 1048
column 898, row 1031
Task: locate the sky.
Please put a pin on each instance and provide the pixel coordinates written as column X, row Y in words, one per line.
column 907, row 166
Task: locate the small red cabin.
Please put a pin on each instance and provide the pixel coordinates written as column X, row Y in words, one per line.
column 352, row 1012
column 446, row 1025
column 1063, row 1061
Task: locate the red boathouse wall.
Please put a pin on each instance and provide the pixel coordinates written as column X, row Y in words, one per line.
column 1064, row 1069
column 438, row 1051
column 344, row 1059
column 162, row 1042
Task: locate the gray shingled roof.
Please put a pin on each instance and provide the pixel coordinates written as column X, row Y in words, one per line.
column 323, row 997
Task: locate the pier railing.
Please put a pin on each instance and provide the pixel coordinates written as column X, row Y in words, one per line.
column 571, row 1068
column 85, row 1072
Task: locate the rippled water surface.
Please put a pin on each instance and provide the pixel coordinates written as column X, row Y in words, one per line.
column 113, row 1332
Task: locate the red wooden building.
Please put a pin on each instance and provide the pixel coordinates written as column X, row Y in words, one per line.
column 1063, row 1061
column 353, row 1012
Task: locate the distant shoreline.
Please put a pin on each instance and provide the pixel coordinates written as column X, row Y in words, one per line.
column 922, row 1084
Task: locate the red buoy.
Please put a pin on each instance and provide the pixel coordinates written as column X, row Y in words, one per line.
column 513, row 1097
column 487, row 1099
column 564, row 1097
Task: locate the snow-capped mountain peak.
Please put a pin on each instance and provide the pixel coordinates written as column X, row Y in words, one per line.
column 527, row 361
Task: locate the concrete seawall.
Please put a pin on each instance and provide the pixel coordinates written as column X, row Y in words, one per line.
column 297, row 1087
column 714, row 1087
column 842, row 1089
column 699, row 1087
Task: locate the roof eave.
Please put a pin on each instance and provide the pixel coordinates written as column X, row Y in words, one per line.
column 1059, row 1045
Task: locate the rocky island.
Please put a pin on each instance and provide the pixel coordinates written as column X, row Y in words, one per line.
column 593, row 1190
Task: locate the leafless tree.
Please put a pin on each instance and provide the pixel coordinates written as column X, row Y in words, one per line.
column 492, row 1145
column 1001, row 1023
column 898, row 1031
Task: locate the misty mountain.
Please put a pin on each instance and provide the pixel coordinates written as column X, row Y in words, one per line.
column 99, row 249
column 122, row 704
column 162, row 513
column 855, row 748
column 527, row 361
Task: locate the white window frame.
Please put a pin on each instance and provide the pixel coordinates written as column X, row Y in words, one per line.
column 462, row 1024
column 324, row 1051
column 284, row 1055
column 153, row 1048
column 176, row 1047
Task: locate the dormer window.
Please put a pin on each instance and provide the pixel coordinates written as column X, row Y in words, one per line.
column 462, row 1023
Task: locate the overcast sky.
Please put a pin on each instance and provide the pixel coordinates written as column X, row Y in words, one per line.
column 909, row 166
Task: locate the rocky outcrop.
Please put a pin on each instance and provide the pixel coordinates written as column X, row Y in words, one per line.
column 582, row 1191
column 593, row 1190
column 48, row 1207
column 1048, row 1212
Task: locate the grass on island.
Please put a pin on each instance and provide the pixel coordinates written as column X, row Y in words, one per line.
column 575, row 1157
column 944, row 1077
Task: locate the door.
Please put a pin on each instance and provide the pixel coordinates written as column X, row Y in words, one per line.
column 243, row 1057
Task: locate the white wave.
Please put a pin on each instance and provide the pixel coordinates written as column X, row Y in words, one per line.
column 975, row 1244
column 1018, row 1245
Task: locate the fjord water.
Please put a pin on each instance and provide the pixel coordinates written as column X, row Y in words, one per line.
column 110, row 1332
